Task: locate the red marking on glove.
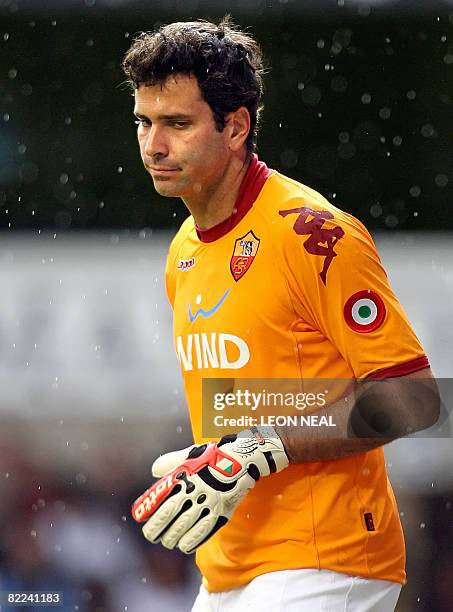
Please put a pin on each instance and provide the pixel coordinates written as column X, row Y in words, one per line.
column 145, row 506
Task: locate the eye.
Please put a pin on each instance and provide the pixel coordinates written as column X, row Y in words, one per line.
column 180, row 124
column 142, row 122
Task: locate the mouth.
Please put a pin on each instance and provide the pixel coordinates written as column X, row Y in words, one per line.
column 162, row 170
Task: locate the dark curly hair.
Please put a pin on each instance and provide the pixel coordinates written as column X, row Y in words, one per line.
column 226, row 62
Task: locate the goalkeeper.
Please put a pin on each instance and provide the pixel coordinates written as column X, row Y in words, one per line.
column 269, row 280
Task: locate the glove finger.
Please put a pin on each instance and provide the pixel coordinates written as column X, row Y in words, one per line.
column 182, row 525
column 201, row 531
column 166, row 463
column 205, row 502
column 164, row 516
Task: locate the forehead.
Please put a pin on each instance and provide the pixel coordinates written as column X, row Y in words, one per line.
column 179, row 93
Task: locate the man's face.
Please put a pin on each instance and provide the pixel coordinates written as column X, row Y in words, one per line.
column 179, row 143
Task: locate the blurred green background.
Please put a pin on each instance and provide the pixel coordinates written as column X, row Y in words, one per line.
column 357, row 105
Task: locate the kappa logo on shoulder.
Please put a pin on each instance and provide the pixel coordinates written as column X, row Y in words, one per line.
column 320, row 241
column 186, row 264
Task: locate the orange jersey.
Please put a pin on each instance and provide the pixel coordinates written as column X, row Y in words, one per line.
column 292, row 287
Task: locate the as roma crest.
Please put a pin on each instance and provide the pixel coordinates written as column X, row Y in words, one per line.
column 245, row 250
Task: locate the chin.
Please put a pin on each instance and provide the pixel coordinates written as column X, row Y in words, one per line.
column 166, row 190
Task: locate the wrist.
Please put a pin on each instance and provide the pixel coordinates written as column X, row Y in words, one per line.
column 259, row 446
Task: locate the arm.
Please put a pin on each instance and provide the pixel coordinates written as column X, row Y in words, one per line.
column 376, row 413
column 201, row 486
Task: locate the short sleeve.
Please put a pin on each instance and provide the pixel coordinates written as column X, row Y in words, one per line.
column 343, row 289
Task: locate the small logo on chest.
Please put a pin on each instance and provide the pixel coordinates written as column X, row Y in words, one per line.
column 186, row 264
column 244, row 252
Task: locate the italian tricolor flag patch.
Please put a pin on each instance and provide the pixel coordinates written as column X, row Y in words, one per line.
column 226, row 465
column 364, row 311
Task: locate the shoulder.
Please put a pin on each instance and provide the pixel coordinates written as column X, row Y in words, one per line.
column 182, row 235
column 298, row 211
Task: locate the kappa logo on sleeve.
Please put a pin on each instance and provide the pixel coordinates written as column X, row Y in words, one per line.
column 244, row 252
column 320, row 241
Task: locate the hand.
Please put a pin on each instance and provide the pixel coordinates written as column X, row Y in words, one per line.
column 201, row 486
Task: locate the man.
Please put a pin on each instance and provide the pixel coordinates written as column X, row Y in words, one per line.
column 269, row 280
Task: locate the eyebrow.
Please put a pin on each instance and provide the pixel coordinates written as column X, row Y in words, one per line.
column 174, row 117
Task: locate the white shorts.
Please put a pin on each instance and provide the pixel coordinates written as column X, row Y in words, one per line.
column 303, row 590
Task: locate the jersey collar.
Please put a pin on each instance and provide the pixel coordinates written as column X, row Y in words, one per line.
column 252, row 183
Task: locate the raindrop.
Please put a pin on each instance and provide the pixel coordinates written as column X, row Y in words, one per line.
column 120, row 169
column 366, row 98
column 90, row 42
column 12, row 73
column 343, row 137
column 422, row 525
column 415, row 191
column 427, row 130
column 448, row 58
column 5, row 36
column 385, row 113
column 397, row 141
column 391, row 221
column 68, row 121
column 441, row 180
column 376, row 210
column 311, row 95
column 81, row 479
column 320, row 44
column 411, row 94
column 64, row 178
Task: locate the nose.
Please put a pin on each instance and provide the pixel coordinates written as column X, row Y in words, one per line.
column 155, row 143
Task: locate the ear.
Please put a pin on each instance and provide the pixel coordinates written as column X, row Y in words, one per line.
column 238, row 123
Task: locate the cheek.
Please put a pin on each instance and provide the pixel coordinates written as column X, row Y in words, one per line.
column 208, row 149
column 141, row 142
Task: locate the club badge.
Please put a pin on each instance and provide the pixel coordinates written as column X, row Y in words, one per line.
column 244, row 252
column 364, row 311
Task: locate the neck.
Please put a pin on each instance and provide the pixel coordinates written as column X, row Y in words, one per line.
column 214, row 205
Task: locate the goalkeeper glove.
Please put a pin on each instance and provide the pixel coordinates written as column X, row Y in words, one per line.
column 201, row 486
